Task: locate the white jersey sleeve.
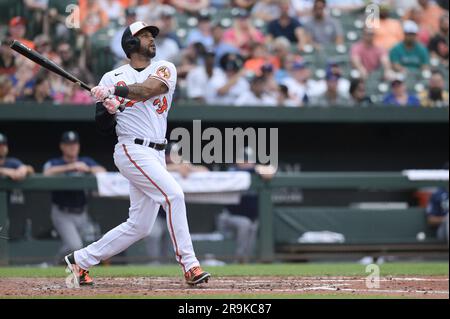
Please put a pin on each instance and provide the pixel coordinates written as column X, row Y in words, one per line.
column 166, row 73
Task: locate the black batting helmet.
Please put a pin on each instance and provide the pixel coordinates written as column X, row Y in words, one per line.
column 130, row 43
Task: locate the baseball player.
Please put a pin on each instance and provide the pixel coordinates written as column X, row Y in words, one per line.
column 135, row 99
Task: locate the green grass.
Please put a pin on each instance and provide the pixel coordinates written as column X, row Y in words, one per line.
column 217, row 296
column 313, row 269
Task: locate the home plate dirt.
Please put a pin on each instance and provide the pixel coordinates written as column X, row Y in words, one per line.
column 418, row 287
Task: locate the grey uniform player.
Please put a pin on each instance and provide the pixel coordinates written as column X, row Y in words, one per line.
column 142, row 91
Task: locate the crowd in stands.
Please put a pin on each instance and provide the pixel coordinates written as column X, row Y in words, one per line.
column 292, row 53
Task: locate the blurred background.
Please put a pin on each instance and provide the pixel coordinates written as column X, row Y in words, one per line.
column 354, row 87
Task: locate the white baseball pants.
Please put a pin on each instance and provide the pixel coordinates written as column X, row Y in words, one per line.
column 151, row 185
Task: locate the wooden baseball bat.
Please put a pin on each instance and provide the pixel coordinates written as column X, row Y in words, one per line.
column 46, row 63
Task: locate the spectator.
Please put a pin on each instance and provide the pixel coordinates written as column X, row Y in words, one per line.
column 190, row 6
column 346, row 5
column 220, row 47
column 300, row 86
column 423, row 34
column 399, row 95
column 116, row 41
column 23, row 80
column 435, row 95
column 200, row 78
column 321, row 29
column 92, row 16
column 113, row 9
column 7, row 58
column 259, row 57
column 72, row 64
column 366, row 57
column 18, row 29
column 226, row 86
column 409, row 54
column 244, row 4
column 302, row 8
column 266, row 10
column 343, row 84
column 437, row 213
column 283, row 97
column 281, row 50
column 438, row 45
column 152, row 11
column 332, row 97
column 44, row 46
column 258, row 95
column 286, row 26
column 41, row 92
column 389, row 32
column 428, row 15
column 69, row 208
column 6, row 90
column 243, row 34
column 191, row 57
column 358, row 96
column 167, row 47
column 241, row 221
column 12, row 167
column 203, row 32
column 73, row 94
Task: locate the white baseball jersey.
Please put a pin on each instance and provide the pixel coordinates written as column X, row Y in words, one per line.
column 143, row 119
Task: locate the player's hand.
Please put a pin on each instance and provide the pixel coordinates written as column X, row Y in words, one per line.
column 111, row 105
column 102, row 92
column 81, row 167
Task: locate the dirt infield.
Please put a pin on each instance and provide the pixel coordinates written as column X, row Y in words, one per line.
column 417, row 287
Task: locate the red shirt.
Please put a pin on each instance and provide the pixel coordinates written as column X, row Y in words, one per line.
column 370, row 56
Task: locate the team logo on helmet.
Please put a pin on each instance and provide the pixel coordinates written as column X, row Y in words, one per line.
column 163, row 72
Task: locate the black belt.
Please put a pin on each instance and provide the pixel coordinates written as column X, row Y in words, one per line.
column 158, row 147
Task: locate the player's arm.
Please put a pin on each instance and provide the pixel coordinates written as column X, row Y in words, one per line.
column 151, row 87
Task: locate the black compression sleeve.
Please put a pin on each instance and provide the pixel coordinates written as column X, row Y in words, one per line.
column 106, row 122
column 121, row 91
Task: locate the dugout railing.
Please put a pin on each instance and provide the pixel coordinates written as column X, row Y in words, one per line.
column 269, row 213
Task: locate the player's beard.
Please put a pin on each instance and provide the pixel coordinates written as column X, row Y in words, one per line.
column 147, row 52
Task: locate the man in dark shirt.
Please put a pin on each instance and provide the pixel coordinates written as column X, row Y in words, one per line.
column 9, row 166
column 69, row 208
column 437, row 212
column 286, row 26
column 242, row 219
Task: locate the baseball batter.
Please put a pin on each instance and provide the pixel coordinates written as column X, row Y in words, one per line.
column 134, row 100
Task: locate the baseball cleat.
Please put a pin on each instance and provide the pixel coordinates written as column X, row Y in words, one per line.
column 196, row 275
column 81, row 276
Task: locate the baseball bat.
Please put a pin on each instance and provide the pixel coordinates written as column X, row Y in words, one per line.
column 46, row 63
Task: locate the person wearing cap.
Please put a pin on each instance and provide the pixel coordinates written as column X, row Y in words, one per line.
column 133, row 102
column 69, row 212
column 409, row 54
column 300, row 86
column 258, row 95
column 332, row 96
column 167, row 41
column 92, row 16
column 220, row 47
column 229, row 83
column 17, row 30
column 439, row 44
column 12, row 167
column 366, row 57
column 399, row 95
column 240, row 221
